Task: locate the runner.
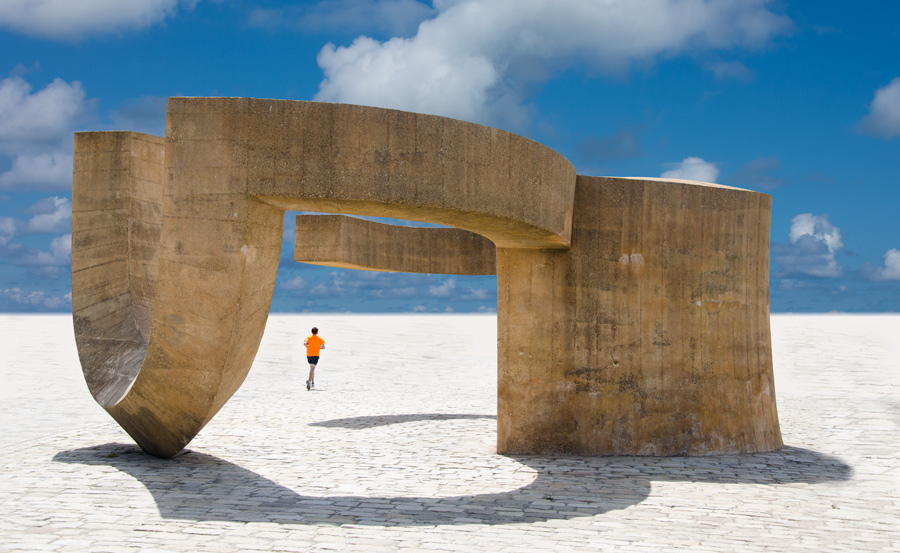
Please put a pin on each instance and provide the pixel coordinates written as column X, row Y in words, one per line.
column 313, row 344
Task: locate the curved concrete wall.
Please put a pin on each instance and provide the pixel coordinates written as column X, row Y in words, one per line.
column 339, row 158
column 171, row 289
column 650, row 336
column 116, row 222
column 633, row 314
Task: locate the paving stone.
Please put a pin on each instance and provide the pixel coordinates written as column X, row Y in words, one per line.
column 394, row 452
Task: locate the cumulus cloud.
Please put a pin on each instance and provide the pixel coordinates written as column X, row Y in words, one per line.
column 45, row 116
column 443, row 290
column 60, row 254
column 891, row 268
column 8, row 227
column 813, row 243
column 476, row 59
column 392, row 293
column 884, row 112
column 363, row 284
column 42, row 264
column 32, row 299
column 67, row 19
column 693, row 168
column 295, row 284
column 477, row 294
column 396, row 17
column 51, row 216
column 36, row 132
column 395, row 75
column 47, row 171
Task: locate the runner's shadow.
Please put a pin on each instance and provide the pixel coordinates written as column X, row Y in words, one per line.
column 200, row 487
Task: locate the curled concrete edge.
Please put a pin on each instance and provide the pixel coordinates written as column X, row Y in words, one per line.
column 116, row 221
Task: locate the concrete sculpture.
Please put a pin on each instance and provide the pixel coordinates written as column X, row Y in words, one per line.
column 632, row 313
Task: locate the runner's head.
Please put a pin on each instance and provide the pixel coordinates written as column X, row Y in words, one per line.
column 315, row 330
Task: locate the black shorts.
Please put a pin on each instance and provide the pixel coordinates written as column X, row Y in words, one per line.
column 313, row 360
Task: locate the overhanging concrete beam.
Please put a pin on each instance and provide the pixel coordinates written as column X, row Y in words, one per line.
column 352, row 243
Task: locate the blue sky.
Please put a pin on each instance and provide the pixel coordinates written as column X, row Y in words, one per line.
column 797, row 99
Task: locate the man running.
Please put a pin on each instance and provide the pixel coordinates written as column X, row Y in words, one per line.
column 313, row 345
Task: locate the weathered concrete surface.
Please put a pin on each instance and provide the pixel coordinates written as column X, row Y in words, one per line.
column 351, row 243
column 232, row 165
column 340, row 158
column 633, row 313
column 205, row 269
column 650, row 336
column 117, row 220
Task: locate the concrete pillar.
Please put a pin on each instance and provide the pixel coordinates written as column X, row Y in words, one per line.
column 650, row 336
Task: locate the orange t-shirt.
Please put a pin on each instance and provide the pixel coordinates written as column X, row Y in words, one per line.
column 313, row 345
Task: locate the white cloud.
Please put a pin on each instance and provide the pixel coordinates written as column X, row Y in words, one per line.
column 8, row 227
column 884, row 112
column 46, row 116
column 817, row 226
column 476, row 58
column 442, row 290
column 319, row 290
column 61, row 249
column 398, row 74
column 693, row 168
column 296, row 284
column 60, row 254
column 813, row 243
column 69, row 19
column 391, row 293
column 47, row 171
column 478, row 294
column 51, row 216
column 34, row 299
column 891, row 268
column 36, row 132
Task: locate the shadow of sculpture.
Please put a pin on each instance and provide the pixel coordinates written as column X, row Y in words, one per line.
column 373, row 421
column 200, row 487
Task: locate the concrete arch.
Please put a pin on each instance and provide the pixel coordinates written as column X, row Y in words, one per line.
column 176, row 242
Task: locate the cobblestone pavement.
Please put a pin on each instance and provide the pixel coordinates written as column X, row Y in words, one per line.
column 394, row 452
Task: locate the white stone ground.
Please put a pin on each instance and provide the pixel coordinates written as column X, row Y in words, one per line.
column 394, row 452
